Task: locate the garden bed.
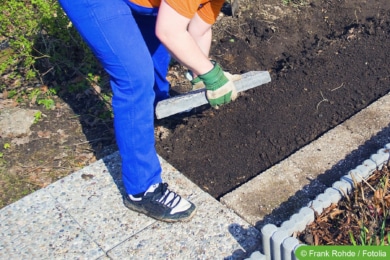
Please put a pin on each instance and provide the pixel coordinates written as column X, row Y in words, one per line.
column 354, row 211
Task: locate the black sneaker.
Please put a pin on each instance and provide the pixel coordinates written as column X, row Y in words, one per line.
column 162, row 204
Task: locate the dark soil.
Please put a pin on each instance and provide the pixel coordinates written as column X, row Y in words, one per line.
column 328, row 60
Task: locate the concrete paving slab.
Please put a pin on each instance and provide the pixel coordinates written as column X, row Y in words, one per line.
column 286, row 187
column 38, row 227
column 326, row 151
column 83, row 216
column 214, row 233
column 258, row 198
column 95, row 202
column 372, row 119
column 93, row 197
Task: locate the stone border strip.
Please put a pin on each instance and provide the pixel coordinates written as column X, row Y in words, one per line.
column 278, row 242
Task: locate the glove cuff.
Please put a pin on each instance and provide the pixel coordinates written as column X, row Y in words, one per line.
column 195, row 81
column 215, row 78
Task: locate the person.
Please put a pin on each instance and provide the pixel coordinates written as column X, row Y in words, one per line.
column 134, row 41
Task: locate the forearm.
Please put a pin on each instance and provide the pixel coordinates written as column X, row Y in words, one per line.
column 204, row 42
column 172, row 31
column 184, row 48
column 201, row 32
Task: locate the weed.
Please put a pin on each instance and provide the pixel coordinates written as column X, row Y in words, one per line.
column 37, row 116
column 373, row 213
column 42, row 97
column 12, row 93
column 376, row 239
column 47, row 102
column 33, row 95
column 42, row 44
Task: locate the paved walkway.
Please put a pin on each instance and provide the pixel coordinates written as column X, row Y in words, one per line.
column 82, row 215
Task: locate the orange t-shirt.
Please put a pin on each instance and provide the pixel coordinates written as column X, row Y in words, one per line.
column 208, row 10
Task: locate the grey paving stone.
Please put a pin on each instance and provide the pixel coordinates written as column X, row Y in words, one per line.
column 257, row 256
column 333, row 194
column 372, row 119
column 256, row 199
column 343, row 186
column 380, row 159
column 37, row 227
column 320, row 155
column 96, row 203
column 213, row 233
column 82, row 216
column 93, row 196
column 288, row 226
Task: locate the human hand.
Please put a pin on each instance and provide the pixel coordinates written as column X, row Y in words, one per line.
column 220, row 88
column 197, row 83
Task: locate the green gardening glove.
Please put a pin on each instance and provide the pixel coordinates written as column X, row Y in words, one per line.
column 197, row 83
column 219, row 89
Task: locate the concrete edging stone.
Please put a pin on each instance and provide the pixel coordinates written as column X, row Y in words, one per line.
column 279, row 243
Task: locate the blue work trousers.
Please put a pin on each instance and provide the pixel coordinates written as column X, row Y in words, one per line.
column 125, row 43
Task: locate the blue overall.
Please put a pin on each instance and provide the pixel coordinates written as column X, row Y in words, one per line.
column 122, row 36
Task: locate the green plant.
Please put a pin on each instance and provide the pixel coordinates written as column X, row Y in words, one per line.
column 373, row 213
column 378, row 238
column 37, row 116
column 19, row 24
column 364, row 240
column 6, row 146
column 42, row 44
column 352, row 238
column 382, row 238
column 33, row 95
column 42, row 97
column 12, row 93
column 47, row 102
